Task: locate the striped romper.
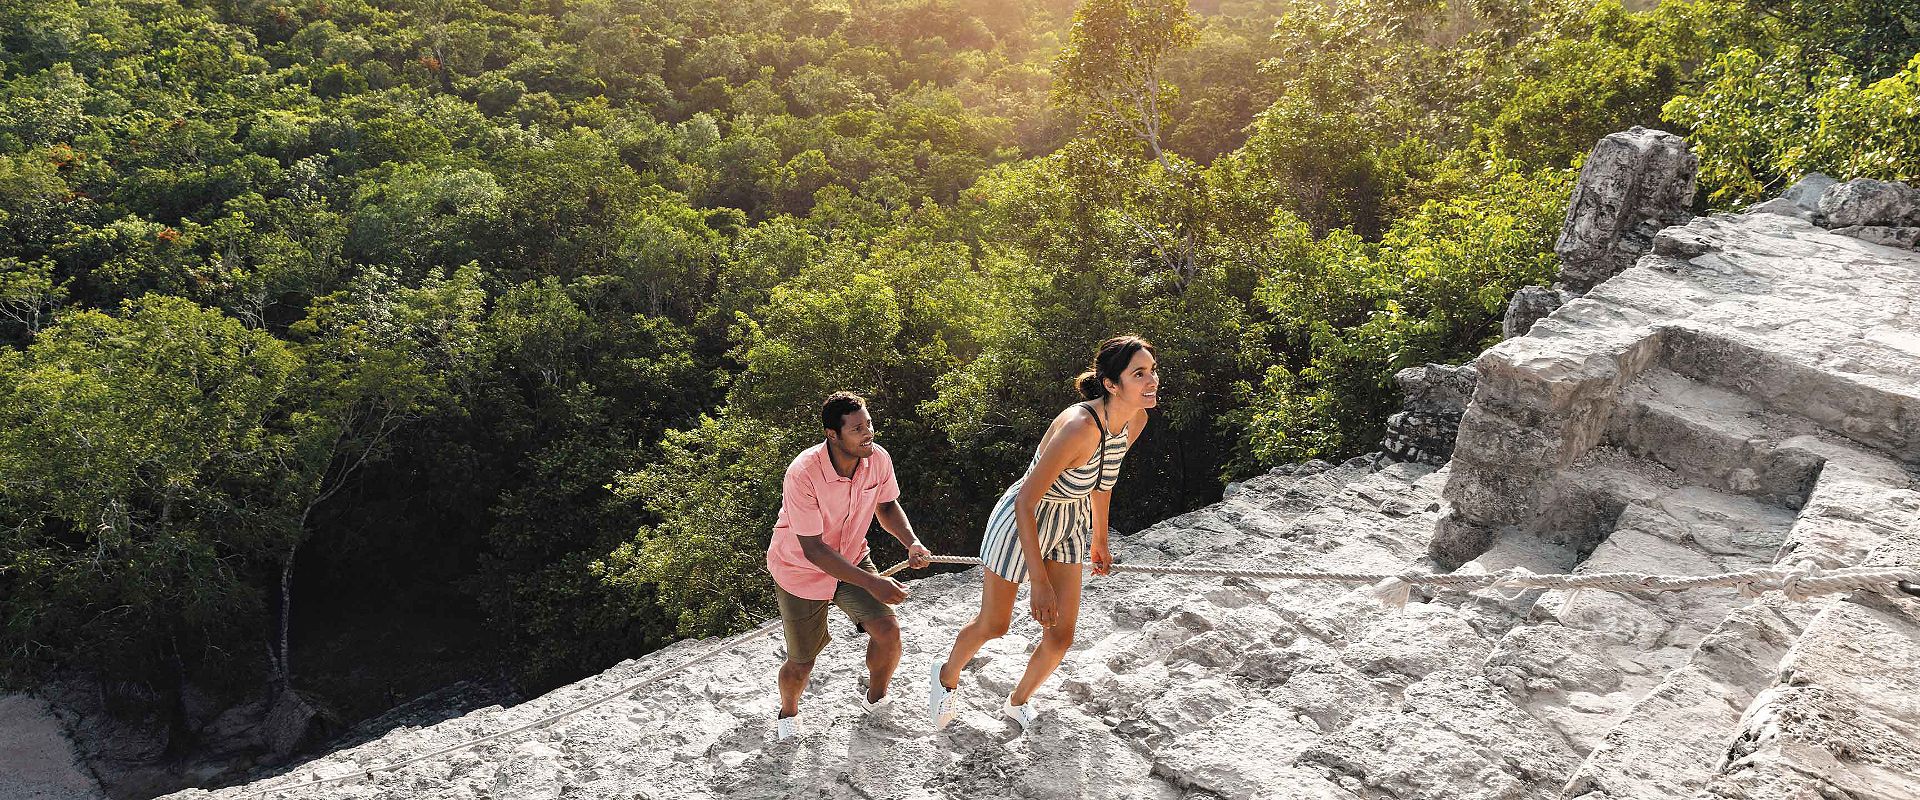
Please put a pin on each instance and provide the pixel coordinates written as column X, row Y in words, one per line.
column 1064, row 515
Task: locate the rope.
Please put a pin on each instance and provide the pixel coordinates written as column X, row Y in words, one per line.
column 1798, row 583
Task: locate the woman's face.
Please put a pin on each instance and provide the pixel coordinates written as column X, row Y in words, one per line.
column 1140, row 383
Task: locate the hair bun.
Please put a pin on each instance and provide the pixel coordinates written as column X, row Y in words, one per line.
column 1090, row 386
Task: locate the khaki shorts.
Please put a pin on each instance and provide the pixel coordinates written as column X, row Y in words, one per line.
column 805, row 621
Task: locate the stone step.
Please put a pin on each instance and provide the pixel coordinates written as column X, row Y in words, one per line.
column 1493, row 613
column 1671, row 741
column 1864, row 391
column 1713, row 437
column 1583, row 661
column 1263, row 507
column 1373, row 702
column 1842, row 718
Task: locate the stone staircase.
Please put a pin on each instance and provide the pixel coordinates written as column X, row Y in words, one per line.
column 1763, row 411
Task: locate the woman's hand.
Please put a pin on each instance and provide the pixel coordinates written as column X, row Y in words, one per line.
column 1045, row 605
column 1102, row 559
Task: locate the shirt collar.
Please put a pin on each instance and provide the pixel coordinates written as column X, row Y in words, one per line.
column 825, row 461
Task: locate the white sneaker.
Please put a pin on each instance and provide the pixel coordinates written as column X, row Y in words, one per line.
column 943, row 704
column 874, row 707
column 1022, row 714
column 786, row 728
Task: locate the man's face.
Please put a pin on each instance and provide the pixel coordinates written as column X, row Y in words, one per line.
column 855, row 436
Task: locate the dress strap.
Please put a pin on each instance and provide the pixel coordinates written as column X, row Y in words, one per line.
column 1101, row 448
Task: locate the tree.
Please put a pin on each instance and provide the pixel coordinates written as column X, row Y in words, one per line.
column 1115, row 61
column 135, row 455
column 377, row 356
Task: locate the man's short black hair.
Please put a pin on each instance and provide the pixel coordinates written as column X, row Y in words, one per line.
column 838, row 406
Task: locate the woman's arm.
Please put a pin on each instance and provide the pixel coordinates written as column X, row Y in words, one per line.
column 1101, row 557
column 1071, row 443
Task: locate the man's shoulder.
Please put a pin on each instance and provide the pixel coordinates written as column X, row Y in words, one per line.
column 802, row 465
column 880, row 456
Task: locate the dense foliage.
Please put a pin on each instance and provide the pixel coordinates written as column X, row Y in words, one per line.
column 313, row 309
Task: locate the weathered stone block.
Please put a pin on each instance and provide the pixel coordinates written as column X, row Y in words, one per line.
column 1528, row 306
column 1632, row 185
column 1864, row 201
column 1806, row 192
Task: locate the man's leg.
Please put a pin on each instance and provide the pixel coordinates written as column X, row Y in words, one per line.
column 876, row 620
column 793, row 681
column 804, row 624
column 883, row 655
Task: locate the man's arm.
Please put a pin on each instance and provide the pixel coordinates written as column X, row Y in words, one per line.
column 893, row 518
column 830, row 561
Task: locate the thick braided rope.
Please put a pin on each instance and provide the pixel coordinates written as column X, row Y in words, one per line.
column 1798, row 583
column 765, row 628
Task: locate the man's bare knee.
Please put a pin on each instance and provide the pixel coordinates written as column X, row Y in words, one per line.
column 882, row 629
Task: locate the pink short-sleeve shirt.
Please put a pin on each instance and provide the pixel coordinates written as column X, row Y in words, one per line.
column 816, row 501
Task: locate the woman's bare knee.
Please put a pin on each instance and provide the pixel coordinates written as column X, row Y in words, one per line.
column 1060, row 636
column 996, row 628
column 989, row 629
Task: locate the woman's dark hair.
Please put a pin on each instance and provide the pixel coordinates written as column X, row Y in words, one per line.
column 1110, row 361
column 837, row 407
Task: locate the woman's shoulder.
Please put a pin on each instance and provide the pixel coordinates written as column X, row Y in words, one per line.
column 1075, row 421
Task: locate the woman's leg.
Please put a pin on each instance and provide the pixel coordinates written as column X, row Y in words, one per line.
column 1055, row 640
column 996, row 612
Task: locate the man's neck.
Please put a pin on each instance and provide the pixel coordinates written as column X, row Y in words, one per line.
column 844, row 464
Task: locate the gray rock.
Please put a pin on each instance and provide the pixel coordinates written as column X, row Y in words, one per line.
column 1528, row 306
column 1678, row 242
column 1783, row 207
column 532, row 772
column 1435, row 397
column 1632, row 185
column 292, row 723
column 1902, row 237
column 1864, row 201
column 1806, row 192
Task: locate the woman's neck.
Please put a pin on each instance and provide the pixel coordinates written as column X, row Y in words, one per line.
column 1113, row 412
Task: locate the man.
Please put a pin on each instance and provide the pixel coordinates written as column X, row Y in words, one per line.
column 832, row 493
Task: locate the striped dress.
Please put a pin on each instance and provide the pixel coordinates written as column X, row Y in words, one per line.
column 1064, row 515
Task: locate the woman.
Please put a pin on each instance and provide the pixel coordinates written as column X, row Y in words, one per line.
column 1054, row 517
